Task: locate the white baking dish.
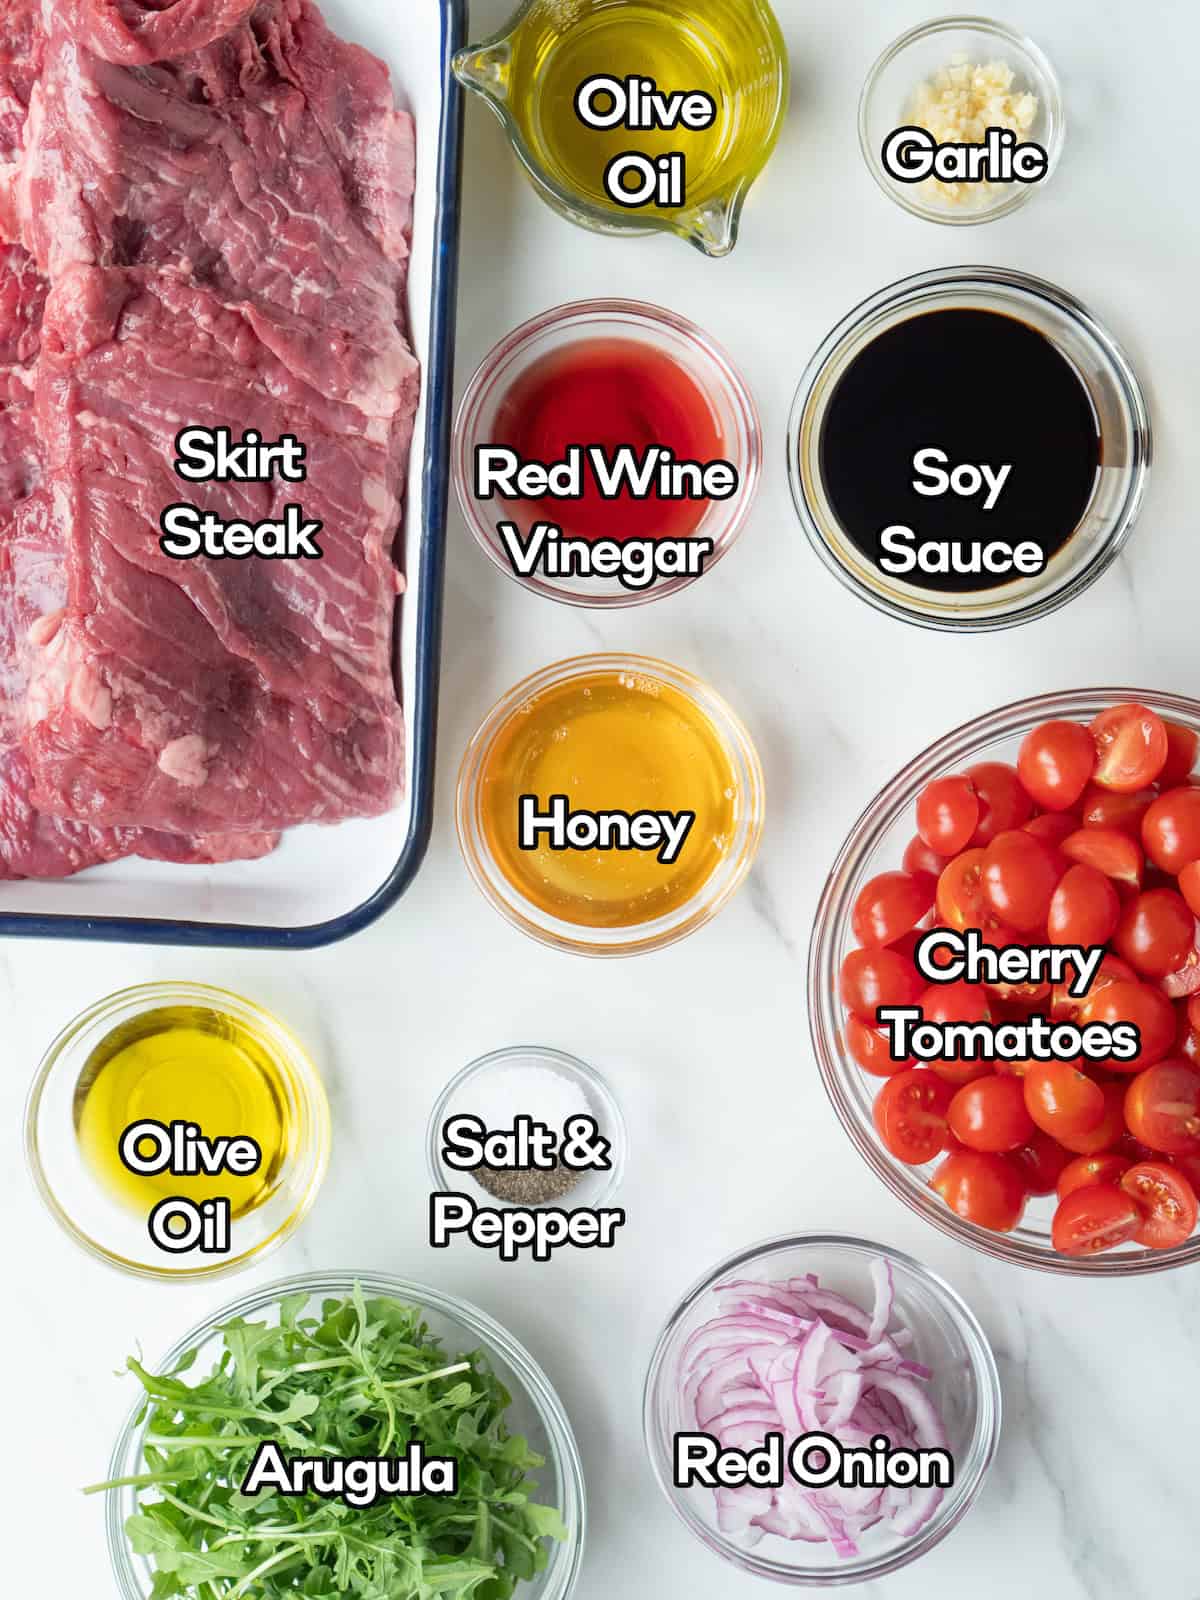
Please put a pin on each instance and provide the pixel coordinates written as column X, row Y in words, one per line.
column 325, row 883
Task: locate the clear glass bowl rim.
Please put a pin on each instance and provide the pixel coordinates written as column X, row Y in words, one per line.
column 641, row 938
column 565, row 1566
column 955, row 750
column 617, row 1131
column 303, row 1072
column 632, row 319
column 983, row 1366
column 1056, row 113
column 1121, row 373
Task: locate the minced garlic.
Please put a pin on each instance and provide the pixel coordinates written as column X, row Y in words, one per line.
column 958, row 106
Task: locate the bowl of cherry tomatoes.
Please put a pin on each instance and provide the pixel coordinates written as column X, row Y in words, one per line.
column 1070, row 821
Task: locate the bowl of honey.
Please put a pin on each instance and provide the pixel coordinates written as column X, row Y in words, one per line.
column 646, row 444
column 639, row 116
column 610, row 805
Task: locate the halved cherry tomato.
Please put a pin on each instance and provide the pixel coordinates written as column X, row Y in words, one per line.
column 1040, row 1160
column 1052, row 827
column 990, row 1114
column 1101, row 808
column 1020, row 874
column 1166, row 1202
column 1084, row 910
column 1003, row 803
column 1156, row 932
column 871, row 1048
column 1106, row 1135
column 1061, row 1099
column 1114, row 854
column 1055, row 764
column 1098, row 1217
column 1185, row 980
column 1183, row 746
column 1171, row 830
column 1108, row 1167
column 1131, row 748
column 1162, row 1108
column 910, row 1115
column 891, row 905
column 1189, row 886
column 1150, row 1012
column 982, row 1188
column 1112, row 970
column 961, row 902
column 956, row 1002
column 1190, row 1167
column 918, row 857
column 874, row 978
column 948, row 814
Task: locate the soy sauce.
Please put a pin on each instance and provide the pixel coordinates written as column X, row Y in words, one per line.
column 980, row 387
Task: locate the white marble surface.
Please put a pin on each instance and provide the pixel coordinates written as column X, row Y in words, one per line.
column 1095, row 1491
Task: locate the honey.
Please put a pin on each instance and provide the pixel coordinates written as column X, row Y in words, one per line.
column 611, row 740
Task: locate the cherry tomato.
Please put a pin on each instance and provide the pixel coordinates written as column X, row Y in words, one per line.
column 1189, row 886
column 956, row 1002
column 1114, row 854
column 1052, row 827
column 1189, row 1166
column 1166, row 1203
column 1095, row 1218
column 1106, row 1135
column 1183, row 746
column 1111, row 970
column 1131, row 748
column 1101, row 808
column 874, row 978
column 990, row 1114
column 910, row 1115
column 891, row 905
column 948, row 814
column 918, row 857
column 1084, row 910
column 1156, row 932
column 1003, row 803
column 1171, row 830
column 1056, row 763
column 1040, row 1160
column 1062, row 1100
column 1151, row 1013
column 1185, row 980
column 961, row 902
column 1079, row 1173
column 1020, row 875
column 1162, row 1108
column 871, row 1048
column 982, row 1188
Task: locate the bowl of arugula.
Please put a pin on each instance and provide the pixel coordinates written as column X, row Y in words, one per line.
column 345, row 1367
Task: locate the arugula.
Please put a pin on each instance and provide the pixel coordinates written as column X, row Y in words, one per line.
column 365, row 1378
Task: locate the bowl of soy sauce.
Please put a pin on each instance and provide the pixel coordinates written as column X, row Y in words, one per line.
column 969, row 449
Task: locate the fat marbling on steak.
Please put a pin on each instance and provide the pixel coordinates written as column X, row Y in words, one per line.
column 218, row 199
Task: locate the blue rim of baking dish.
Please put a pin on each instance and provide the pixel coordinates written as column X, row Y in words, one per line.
column 423, row 720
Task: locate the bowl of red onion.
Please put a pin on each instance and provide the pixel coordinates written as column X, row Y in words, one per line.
column 1068, row 823
column 821, row 1410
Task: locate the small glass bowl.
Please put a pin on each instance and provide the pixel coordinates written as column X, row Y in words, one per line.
column 914, row 59
column 1116, row 397
column 578, row 323
column 712, row 896
column 536, row 1412
column 965, row 1387
column 97, row 1221
column 594, row 1189
column 876, row 844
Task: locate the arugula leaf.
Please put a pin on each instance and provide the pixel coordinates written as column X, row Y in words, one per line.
column 364, row 1377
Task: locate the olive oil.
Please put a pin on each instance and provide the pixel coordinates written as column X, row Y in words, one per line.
column 728, row 50
column 610, row 740
column 184, row 1064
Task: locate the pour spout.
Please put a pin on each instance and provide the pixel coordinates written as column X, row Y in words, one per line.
column 485, row 68
column 713, row 226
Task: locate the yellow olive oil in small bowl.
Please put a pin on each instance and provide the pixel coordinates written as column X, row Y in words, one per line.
column 693, row 168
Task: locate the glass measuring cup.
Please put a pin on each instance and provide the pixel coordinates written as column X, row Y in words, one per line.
column 730, row 49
